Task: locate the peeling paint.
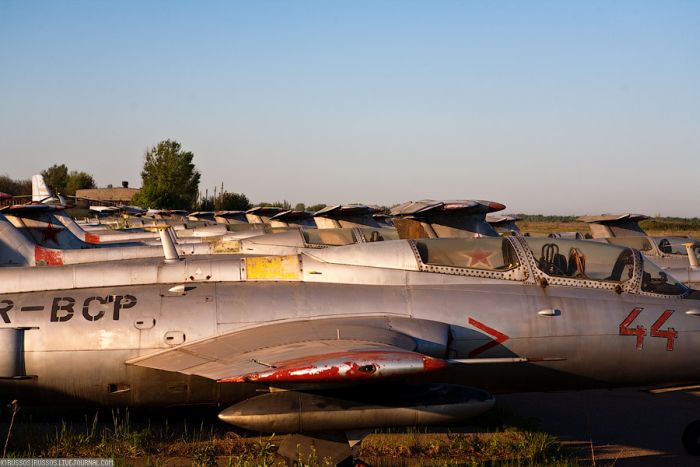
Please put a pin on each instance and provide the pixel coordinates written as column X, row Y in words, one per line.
column 226, row 246
column 346, row 367
column 47, row 256
column 92, row 238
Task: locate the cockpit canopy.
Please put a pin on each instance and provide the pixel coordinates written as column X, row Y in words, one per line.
column 615, row 225
column 581, row 259
column 675, row 245
column 493, row 254
column 347, row 236
column 659, row 245
column 656, row 280
column 561, row 261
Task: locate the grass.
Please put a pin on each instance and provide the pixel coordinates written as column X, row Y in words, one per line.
column 497, row 448
column 499, row 437
column 198, row 441
column 543, row 228
column 143, row 438
column 653, row 226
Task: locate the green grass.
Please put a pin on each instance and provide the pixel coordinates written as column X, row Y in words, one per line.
column 500, row 437
column 479, row 448
column 115, row 435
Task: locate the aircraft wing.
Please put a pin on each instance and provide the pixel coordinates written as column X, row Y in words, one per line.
column 312, row 351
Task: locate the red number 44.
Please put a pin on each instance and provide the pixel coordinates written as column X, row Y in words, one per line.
column 640, row 331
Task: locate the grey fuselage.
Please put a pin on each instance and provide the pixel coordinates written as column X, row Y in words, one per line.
column 69, row 330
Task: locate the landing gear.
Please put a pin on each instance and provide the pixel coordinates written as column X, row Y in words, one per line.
column 691, row 438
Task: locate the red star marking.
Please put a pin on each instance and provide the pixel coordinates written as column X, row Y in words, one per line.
column 479, row 257
column 49, row 233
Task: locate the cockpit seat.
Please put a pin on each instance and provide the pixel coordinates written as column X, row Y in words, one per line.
column 552, row 262
column 665, row 246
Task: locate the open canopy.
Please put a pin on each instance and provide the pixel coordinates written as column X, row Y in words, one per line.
column 429, row 207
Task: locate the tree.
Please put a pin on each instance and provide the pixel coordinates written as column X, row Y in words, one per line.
column 56, row 178
column 232, row 202
column 277, row 204
column 15, row 187
column 316, row 207
column 168, row 179
column 300, row 207
column 78, row 181
column 206, row 203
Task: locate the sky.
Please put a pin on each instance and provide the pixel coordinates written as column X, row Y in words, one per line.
column 549, row 107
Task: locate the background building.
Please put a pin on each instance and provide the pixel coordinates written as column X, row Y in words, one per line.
column 107, row 196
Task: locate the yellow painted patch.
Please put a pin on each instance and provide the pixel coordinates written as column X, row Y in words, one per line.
column 273, row 268
column 155, row 228
column 227, row 246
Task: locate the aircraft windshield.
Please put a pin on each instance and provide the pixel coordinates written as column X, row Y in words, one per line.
column 495, row 254
column 656, row 280
column 674, row 245
column 329, row 237
column 582, row 259
column 379, row 234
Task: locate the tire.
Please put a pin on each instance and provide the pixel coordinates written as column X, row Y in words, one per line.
column 691, row 438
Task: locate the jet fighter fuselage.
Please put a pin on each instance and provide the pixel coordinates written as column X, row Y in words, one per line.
column 501, row 314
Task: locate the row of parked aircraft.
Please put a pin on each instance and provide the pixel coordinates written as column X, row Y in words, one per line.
column 342, row 328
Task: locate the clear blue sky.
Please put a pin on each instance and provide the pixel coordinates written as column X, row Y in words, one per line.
column 547, row 106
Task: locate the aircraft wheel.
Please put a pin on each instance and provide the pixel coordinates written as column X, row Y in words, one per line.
column 691, row 438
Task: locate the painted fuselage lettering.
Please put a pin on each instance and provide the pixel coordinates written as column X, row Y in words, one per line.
column 63, row 309
column 640, row 331
column 97, row 311
column 5, row 306
column 123, row 302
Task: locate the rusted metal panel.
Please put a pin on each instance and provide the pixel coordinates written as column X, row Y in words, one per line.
column 224, row 246
column 411, row 228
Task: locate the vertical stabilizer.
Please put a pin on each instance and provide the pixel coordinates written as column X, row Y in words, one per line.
column 41, row 192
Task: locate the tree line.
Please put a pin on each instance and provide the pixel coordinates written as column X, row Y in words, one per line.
column 170, row 180
column 58, row 178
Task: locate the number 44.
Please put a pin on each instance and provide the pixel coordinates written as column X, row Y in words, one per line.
column 640, row 331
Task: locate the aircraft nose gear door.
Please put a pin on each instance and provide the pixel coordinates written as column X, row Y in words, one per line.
column 12, row 356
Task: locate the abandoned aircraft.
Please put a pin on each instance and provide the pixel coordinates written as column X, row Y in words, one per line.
column 444, row 218
column 340, row 216
column 676, row 254
column 462, row 218
column 326, row 330
column 505, row 224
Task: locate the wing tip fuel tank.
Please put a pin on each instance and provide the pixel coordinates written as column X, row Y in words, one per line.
column 353, row 366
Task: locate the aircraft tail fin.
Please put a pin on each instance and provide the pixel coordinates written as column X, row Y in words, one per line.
column 40, row 190
column 41, row 193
